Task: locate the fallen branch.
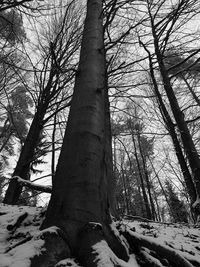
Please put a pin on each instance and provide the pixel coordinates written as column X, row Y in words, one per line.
column 3, row 213
column 37, row 187
column 17, row 222
column 139, row 218
column 26, row 239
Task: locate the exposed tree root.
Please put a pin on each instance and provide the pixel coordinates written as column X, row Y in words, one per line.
column 92, row 249
column 90, row 235
column 54, row 249
column 173, row 257
column 100, row 246
column 89, row 253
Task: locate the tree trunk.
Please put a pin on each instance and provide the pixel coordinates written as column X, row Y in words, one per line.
column 25, row 159
column 81, row 187
column 53, row 146
column 146, row 201
column 153, row 211
column 162, row 188
column 186, row 137
column 126, row 195
column 171, row 129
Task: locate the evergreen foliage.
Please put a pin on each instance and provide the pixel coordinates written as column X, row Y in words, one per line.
column 177, row 206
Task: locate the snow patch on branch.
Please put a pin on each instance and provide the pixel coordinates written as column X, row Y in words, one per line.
column 52, row 229
column 42, row 188
column 67, row 262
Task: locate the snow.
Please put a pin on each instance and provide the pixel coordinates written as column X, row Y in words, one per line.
column 44, row 188
column 106, row 258
column 67, row 262
column 184, row 239
column 19, row 256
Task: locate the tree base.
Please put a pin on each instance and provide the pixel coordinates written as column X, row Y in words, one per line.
column 94, row 245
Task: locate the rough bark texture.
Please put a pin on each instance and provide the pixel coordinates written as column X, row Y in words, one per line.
column 81, row 186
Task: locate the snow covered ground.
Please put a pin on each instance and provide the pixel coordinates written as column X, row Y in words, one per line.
column 20, row 241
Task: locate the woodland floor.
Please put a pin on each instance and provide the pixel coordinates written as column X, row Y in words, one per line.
column 19, row 238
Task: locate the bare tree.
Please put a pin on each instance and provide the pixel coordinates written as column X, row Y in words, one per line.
column 163, row 28
column 58, row 70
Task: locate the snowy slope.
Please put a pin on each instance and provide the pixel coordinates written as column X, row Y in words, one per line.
column 183, row 238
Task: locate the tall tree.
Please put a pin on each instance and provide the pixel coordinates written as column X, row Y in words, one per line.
column 56, row 74
column 162, row 34
column 81, row 193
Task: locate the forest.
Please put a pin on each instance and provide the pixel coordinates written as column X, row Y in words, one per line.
column 99, row 133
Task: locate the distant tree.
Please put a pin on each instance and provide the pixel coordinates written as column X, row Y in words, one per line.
column 178, row 210
column 23, row 5
column 135, row 186
column 11, row 27
column 15, row 119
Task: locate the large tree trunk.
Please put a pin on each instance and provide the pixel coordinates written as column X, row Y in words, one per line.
column 81, row 188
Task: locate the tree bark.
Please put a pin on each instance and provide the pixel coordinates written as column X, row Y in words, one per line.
column 81, row 186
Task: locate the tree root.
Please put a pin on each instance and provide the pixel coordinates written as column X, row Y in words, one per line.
column 54, row 249
column 96, row 246
column 172, row 256
column 92, row 249
column 89, row 235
